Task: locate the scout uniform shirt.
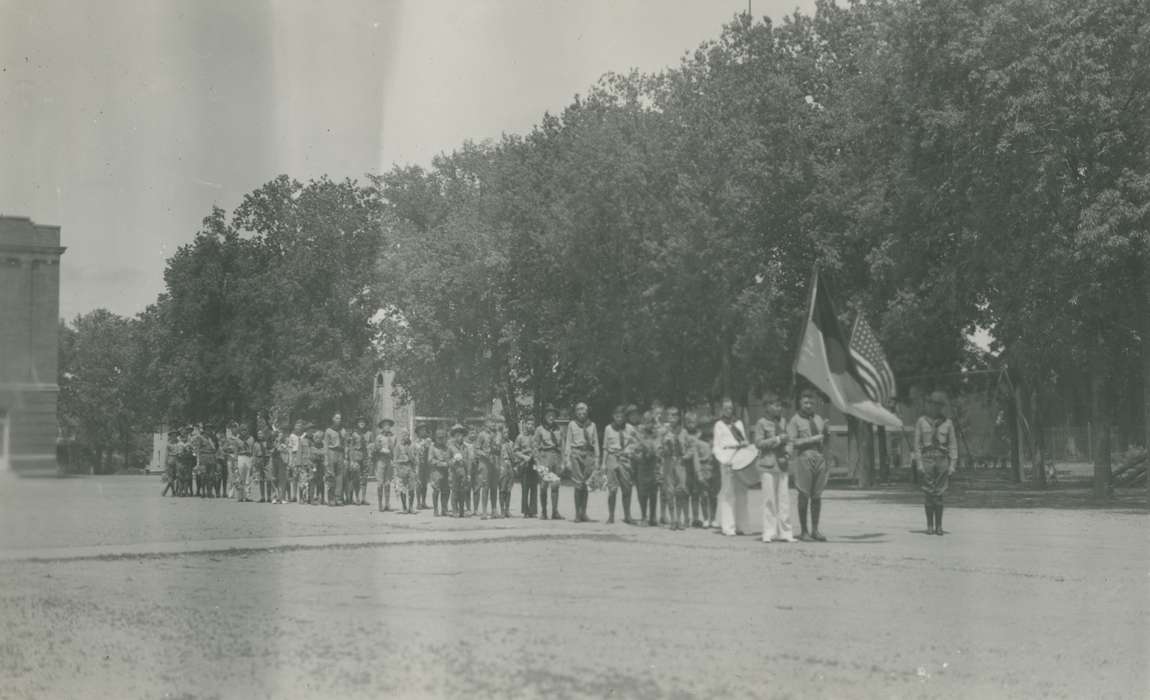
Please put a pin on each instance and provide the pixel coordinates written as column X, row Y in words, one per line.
column 766, row 429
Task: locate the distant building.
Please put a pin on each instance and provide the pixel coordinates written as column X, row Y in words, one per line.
column 29, row 336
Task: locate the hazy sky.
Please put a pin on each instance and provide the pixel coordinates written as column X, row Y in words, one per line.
column 125, row 121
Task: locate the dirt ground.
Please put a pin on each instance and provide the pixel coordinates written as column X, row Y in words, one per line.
column 109, row 591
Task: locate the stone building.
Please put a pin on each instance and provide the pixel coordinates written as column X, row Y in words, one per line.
column 29, row 335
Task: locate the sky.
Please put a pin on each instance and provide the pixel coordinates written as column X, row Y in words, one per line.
column 125, row 121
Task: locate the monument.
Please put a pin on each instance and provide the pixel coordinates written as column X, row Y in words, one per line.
column 29, row 337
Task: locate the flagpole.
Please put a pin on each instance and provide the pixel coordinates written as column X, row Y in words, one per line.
column 814, row 286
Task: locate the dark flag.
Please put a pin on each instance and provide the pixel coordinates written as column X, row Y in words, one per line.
column 825, row 360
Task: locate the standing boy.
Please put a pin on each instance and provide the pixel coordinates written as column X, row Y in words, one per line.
column 334, row 445
column 581, row 455
column 808, row 435
column 384, row 449
column 439, row 461
column 525, row 460
column 616, row 466
column 770, row 435
column 936, row 452
column 729, row 436
column 243, row 464
column 548, row 461
column 508, row 468
column 460, row 462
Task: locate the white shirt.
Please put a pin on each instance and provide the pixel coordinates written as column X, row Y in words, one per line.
column 724, row 442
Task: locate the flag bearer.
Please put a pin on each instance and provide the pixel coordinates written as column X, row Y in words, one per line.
column 936, row 451
column 808, row 435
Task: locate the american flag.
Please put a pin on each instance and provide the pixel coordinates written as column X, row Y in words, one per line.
column 874, row 371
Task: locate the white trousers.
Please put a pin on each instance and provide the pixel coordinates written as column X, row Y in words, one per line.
column 776, row 505
column 732, row 506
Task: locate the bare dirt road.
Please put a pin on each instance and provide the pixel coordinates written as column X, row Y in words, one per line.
column 107, row 590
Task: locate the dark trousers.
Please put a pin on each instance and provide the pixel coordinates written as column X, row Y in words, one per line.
column 529, row 481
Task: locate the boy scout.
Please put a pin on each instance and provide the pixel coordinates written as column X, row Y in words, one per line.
column 486, row 451
column 460, row 468
column 615, row 465
column 548, row 446
column 171, row 464
column 356, row 455
column 334, row 445
column 405, row 473
column 936, row 452
column 770, row 436
column 525, row 460
column 580, row 457
column 670, row 462
column 508, row 468
column 808, row 435
column 439, row 461
column 422, row 446
column 304, row 466
column 318, row 468
column 384, row 449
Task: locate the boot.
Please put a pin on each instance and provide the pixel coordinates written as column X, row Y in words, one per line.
column 542, row 502
column 611, row 507
column 555, row 504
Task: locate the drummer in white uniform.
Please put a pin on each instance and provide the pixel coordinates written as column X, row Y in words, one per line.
column 732, row 448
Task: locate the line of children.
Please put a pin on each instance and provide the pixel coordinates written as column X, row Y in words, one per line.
column 669, row 461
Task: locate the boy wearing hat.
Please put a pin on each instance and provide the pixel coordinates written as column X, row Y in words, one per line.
column 525, row 460
column 460, row 461
column 615, row 464
column 580, row 456
column 936, row 452
column 384, row 450
column 808, row 434
column 548, row 447
column 421, row 446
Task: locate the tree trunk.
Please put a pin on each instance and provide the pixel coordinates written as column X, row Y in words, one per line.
column 1100, row 424
column 883, row 456
column 1037, row 437
column 1146, row 358
column 1014, row 424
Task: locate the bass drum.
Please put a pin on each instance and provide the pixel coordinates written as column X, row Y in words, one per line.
column 741, row 466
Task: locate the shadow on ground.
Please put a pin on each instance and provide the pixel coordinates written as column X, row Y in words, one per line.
column 1007, row 495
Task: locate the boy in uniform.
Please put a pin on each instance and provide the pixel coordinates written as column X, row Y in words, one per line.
column 525, row 460
column 204, row 450
column 405, row 473
column 318, row 468
column 508, row 467
column 439, row 462
column 671, row 461
column 293, row 461
column 936, row 452
column 770, row 436
column 384, row 449
column 356, row 454
column 460, row 462
column 580, row 456
column 548, row 446
column 706, row 485
column 423, row 466
column 260, row 464
column 335, row 446
column 303, row 465
column 171, row 464
column 486, row 451
column 644, row 456
column 616, row 466
column 808, row 435
column 243, row 464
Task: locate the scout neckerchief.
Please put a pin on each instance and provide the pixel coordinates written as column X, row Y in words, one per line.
column 587, row 433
